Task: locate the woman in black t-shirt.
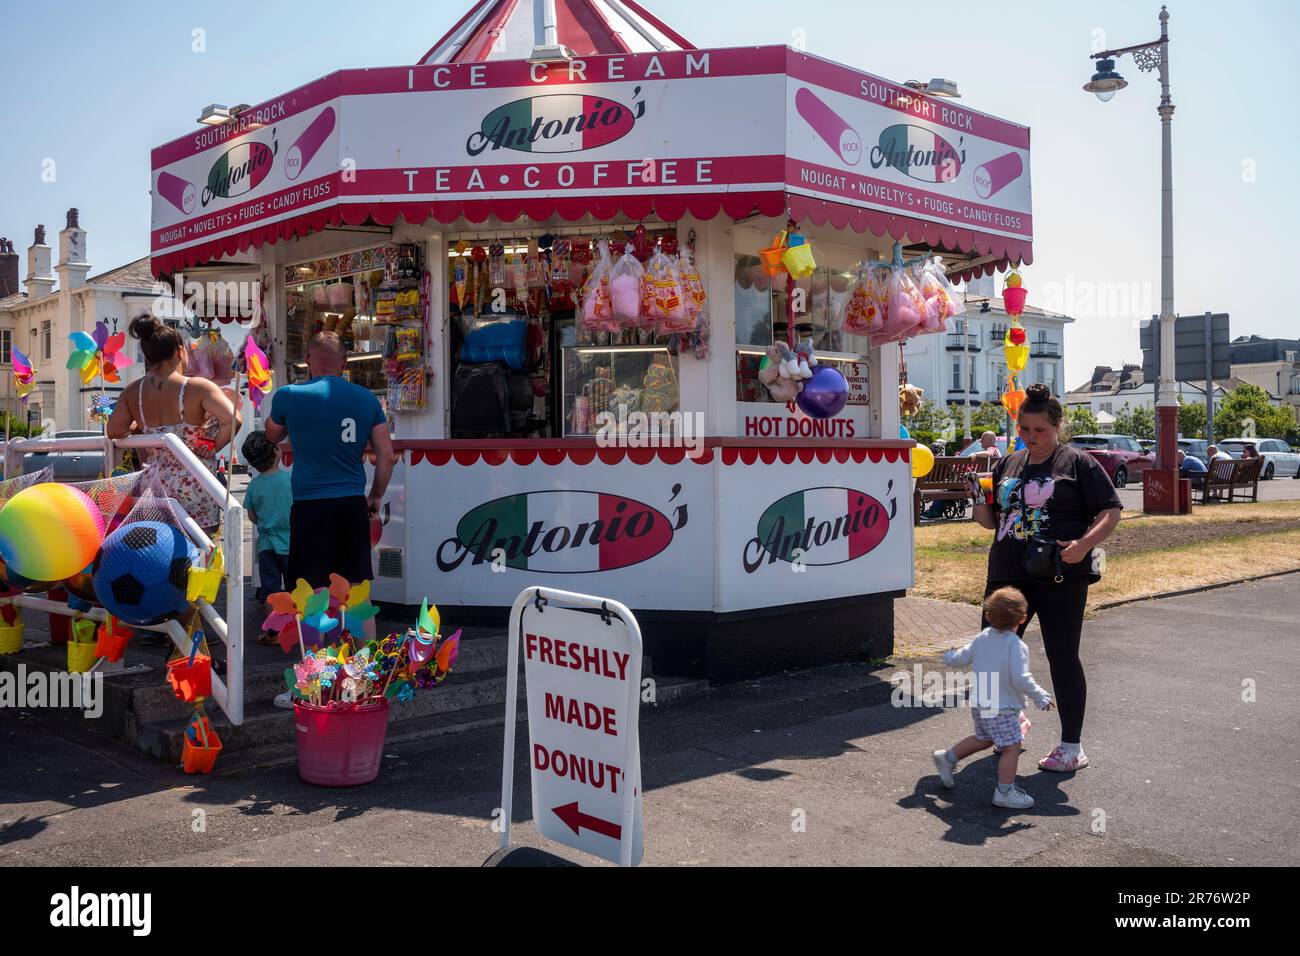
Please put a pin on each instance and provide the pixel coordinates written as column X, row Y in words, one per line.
column 1057, row 493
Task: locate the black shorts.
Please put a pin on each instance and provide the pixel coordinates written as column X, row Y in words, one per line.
column 329, row 536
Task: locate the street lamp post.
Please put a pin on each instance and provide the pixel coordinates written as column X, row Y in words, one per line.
column 1106, row 83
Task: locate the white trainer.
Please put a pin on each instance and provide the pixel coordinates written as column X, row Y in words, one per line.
column 945, row 768
column 1013, row 799
column 284, row 700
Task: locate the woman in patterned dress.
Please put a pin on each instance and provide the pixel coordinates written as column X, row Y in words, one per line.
column 164, row 400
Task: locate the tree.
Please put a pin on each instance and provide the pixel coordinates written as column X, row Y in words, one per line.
column 1191, row 419
column 931, row 417
column 986, row 417
column 1250, row 401
column 1080, row 421
column 1137, row 422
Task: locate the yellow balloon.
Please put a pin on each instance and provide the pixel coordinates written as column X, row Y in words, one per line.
column 922, row 461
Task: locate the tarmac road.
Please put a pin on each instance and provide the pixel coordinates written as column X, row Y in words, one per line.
column 1184, row 772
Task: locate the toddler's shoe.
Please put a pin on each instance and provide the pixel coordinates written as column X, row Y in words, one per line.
column 1013, row 799
column 945, row 768
column 1058, row 761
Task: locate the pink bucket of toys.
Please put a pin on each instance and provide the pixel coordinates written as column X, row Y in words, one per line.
column 341, row 745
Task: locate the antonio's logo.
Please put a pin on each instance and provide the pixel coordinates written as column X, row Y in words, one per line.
column 562, row 532
column 556, row 123
column 825, row 525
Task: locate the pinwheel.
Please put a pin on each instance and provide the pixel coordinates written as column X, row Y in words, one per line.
column 351, row 600
column 260, row 377
column 24, row 375
column 98, row 355
column 101, row 408
column 316, row 613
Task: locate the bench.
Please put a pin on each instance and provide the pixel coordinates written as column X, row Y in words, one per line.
column 1233, row 479
column 947, row 482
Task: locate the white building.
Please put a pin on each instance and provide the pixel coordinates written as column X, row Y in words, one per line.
column 975, row 342
column 1110, row 391
column 61, row 299
column 1272, row 364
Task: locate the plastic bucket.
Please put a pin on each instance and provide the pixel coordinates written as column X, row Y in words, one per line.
column 771, row 258
column 11, row 638
column 196, row 757
column 190, row 681
column 340, row 746
column 1013, row 299
column 798, row 260
column 112, row 644
column 81, row 657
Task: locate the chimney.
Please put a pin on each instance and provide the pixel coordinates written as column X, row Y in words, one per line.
column 40, row 279
column 8, row 269
column 72, row 254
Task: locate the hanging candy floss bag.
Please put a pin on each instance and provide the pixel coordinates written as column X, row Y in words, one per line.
column 625, row 289
column 906, row 311
column 671, row 313
column 941, row 299
column 597, row 301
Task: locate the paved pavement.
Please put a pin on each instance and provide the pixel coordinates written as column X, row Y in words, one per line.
column 1185, row 771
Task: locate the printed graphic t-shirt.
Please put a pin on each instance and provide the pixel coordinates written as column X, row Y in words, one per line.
column 1057, row 500
column 329, row 422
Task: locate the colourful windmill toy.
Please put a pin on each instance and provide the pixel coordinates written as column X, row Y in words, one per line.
column 24, row 374
column 260, row 378
column 100, row 354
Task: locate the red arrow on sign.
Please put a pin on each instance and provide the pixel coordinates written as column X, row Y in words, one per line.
column 575, row 819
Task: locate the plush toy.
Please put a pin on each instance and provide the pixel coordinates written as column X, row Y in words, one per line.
column 780, row 373
column 909, row 399
column 807, row 360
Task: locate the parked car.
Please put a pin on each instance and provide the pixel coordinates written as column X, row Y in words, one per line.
column 1279, row 460
column 68, row 465
column 1196, row 447
column 1121, row 456
column 1149, row 444
column 975, row 448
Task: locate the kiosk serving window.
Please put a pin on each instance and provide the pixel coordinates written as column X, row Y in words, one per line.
column 523, row 362
column 818, row 302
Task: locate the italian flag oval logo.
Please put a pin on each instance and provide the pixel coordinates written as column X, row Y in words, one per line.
column 556, row 123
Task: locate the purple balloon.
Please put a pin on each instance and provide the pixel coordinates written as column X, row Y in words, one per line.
column 825, row 394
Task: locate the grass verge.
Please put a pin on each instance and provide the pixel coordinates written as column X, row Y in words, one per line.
column 1147, row 555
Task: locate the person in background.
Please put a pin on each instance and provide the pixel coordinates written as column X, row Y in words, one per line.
column 1249, row 451
column 1213, row 453
column 989, row 446
column 1192, row 468
column 268, row 500
column 165, row 399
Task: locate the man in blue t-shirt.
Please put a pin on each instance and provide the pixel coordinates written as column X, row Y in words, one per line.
column 330, row 421
column 1189, row 466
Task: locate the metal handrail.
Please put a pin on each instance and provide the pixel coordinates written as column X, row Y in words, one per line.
column 229, row 694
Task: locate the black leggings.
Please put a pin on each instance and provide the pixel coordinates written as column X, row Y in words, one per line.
column 1060, row 616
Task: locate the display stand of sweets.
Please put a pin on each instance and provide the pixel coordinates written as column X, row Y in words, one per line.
column 343, row 683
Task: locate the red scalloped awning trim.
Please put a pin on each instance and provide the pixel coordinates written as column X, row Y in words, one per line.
column 669, row 208
column 585, row 455
column 1009, row 251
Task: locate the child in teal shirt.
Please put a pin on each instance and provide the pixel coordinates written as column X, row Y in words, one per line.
column 267, row 501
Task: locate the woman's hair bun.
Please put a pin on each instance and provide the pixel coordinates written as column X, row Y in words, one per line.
column 143, row 326
column 1038, row 393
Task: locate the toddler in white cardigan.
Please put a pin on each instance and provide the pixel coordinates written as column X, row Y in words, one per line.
column 999, row 661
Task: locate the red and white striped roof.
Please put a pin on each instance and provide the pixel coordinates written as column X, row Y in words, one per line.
column 511, row 29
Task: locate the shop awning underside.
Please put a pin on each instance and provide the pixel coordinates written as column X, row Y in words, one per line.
column 736, row 206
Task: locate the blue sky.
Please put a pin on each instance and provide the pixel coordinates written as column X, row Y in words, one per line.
column 94, row 85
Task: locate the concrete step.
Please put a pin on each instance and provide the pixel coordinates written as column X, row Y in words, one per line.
column 456, row 705
column 282, row 751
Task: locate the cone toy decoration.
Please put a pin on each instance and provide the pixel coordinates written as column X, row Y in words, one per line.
column 1016, row 347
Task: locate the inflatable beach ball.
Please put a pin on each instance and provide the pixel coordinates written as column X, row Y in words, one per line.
column 49, row 532
column 142, row 572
